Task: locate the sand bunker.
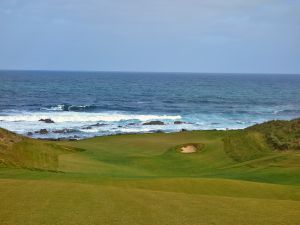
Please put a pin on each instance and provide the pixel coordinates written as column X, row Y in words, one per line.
column 188, row 149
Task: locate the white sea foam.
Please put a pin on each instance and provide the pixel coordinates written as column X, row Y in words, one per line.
column 112, row 123
column 60, row 117
column 56, row 108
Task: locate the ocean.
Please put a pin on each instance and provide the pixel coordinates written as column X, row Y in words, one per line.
column 87, row 104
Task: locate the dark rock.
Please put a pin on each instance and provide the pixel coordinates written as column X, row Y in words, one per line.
column 49, row 139
column 87, row 128
column 158, row 131
column 42, row 131
column 183, row 130
column 72, row 138
column 154, row 123
column 178, row 122
column 76, row 136
column 99, row 125
column 46, row 120
column 132, row 124
column 29, row 133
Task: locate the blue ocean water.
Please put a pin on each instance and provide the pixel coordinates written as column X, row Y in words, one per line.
column 86, row 104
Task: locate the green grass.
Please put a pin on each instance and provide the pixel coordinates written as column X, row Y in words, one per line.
column 280, row 134
column 244, row 146
column 43, row 202
column 235, row 177
column 22, row 152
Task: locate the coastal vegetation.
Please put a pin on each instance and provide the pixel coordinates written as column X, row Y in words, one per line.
column 249, row 176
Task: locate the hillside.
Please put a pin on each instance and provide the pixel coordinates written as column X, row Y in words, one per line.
column 263, row 139
column 22, row 152
column 280, row 134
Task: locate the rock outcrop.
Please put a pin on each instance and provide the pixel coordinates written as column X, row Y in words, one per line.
column 154, row 123
column 46, row 120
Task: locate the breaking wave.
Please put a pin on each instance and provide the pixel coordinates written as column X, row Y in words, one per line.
column 59, row 117
column 75, row 108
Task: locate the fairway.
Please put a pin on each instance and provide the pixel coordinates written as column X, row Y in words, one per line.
column 230, row 177
column 44, row 202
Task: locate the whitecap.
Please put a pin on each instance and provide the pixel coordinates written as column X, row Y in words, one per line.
column 60, row 117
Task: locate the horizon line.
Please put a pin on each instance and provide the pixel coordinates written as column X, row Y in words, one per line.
column 145, row 72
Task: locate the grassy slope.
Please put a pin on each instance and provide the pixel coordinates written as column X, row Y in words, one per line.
column 22, row 152
column 280, row 134
column 143, row 179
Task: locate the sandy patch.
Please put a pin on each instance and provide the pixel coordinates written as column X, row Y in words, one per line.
column 188, row 149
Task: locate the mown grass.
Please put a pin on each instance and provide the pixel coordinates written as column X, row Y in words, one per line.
column 235, row 177
column 58, row 203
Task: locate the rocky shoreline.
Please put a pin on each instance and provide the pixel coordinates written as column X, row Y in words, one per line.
column 64, row 131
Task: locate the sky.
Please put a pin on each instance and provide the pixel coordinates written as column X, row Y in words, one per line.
column 227, row 36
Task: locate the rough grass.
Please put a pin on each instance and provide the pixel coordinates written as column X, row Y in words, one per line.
column 22, row 152
column 245, row 145
column 259, row 140
column 236, row 177
column 280, row 134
